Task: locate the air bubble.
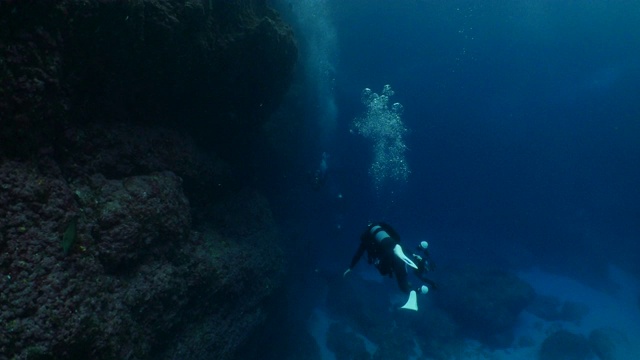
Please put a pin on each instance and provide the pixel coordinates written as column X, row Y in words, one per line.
column 384, row 127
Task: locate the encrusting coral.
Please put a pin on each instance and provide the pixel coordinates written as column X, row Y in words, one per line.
column 118, row 230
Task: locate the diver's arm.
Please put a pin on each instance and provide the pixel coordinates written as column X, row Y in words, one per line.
column 430, row 265
column 358, row 255
column 428, row 281
column 356, row 258
column 432, row 284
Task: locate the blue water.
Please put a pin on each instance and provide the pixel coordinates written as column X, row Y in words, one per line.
column 522, row 137
column 523, row 123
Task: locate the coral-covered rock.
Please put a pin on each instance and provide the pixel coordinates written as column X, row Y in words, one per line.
column 140, row 212
column 436, row 333
column 397, row 344
column 216, row 68
column 552, row 309
column 124, row 150
column 564, row 345
column 135, row 272
column 363, row 304
column 233, row 279
column 485, row 304
column 292, row 340
column 345, row 344
column 99, row 253
column 33, row 103
column 613, row 344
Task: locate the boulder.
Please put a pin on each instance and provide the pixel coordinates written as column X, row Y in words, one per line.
column 565, row 345
column 485, row 304
column 612, row 344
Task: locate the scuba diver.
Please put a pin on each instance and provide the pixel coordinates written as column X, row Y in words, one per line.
column 381, row 242
column 425, row 264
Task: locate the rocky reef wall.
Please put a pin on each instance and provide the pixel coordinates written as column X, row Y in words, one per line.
column 124, row 231
column 216, row 68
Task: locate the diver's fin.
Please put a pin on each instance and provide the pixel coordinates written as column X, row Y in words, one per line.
column 398, row 251
column 412, row 302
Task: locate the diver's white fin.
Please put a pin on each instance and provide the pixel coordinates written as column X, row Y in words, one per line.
column 399, row 253
column 412, row 302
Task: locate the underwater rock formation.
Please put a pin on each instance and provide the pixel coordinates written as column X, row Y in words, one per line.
column 121, row 150
column 485, row 304
column 120, row 237
column 552, row 309
column 364, row 304
column 364, row 308
column 612, row 344
column 436, row 333
column 346, row 344
column 564, row 345
column 216, row 68
column 136, row 272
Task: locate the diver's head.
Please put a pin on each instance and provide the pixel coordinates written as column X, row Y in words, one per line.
column 424, row 245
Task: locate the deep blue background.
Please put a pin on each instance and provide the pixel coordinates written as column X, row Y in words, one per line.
column 524, row 140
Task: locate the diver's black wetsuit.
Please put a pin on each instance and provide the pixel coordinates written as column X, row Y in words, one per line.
column 378, row 240
column 425, row 265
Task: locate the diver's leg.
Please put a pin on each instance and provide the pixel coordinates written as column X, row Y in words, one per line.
column 431, row 283
column 403, row 283
column 400, row 271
